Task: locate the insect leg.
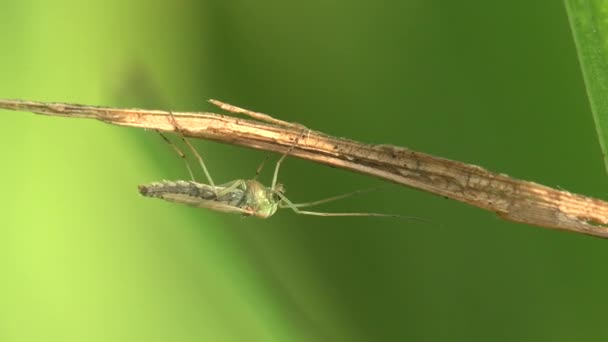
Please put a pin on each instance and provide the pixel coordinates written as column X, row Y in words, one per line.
column 329, row 199
column 278, row 165
column 198, row 156
column 178, row 151
column 316, row 213
column 259, row 169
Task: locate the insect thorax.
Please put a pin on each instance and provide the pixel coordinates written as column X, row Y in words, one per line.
column 260, row 199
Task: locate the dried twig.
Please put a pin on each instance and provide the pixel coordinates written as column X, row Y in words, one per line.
column 512, row 199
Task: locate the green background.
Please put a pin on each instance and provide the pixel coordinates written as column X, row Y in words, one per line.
column 83, row 257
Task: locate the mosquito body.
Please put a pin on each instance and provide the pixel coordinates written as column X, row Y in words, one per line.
column 245, row 197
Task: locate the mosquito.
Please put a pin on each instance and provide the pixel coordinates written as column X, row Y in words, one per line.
column 245, row 197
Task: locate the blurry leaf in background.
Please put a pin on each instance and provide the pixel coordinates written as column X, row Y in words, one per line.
column 589, row 23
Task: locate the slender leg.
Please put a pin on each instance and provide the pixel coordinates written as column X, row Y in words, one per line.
column 278, row 165
column 198, row 156
column 258, row 116
column 259, row 169
column 315, row 213
column 329, row 199
column 179, row 152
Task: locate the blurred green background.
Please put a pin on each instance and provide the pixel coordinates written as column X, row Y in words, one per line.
column 84, row 258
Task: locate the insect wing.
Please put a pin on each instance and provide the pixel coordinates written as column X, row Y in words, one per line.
column 223, row 207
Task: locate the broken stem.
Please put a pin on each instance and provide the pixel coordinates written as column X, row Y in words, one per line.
column 512, row 199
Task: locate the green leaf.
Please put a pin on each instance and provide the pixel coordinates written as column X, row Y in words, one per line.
column 589, row 23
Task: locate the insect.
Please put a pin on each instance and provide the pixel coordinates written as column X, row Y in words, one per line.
column 246, row 197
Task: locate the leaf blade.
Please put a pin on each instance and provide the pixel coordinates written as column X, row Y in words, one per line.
column 589, row 25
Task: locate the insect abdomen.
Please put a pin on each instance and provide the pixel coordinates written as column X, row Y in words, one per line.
column 195, row 194
column 185, row 188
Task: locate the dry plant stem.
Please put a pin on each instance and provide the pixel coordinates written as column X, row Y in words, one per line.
column 512, row 199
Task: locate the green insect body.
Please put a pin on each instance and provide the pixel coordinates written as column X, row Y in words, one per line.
column 247, row 197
